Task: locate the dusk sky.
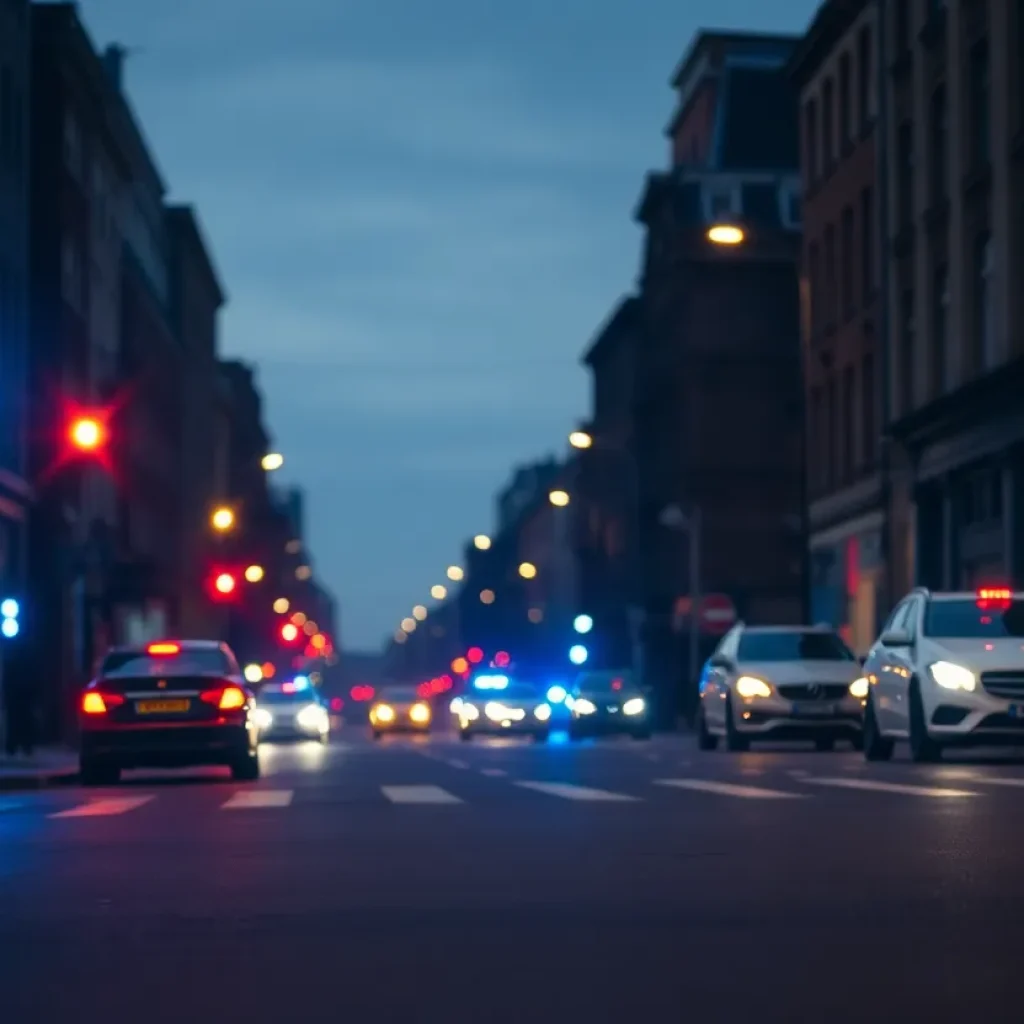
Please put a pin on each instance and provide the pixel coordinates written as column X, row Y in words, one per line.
column 421, row 210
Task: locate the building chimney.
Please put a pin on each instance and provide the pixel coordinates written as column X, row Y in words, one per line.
column 113, row 60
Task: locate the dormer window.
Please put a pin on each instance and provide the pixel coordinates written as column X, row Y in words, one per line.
column 722, row 201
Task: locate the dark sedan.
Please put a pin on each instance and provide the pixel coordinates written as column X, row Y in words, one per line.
column 608, row 702
column 168, row 704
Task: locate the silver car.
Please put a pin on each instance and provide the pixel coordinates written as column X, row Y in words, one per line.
column 781, row 683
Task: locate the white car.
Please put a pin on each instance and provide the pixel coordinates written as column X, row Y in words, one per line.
column 947, row 670
column 781, row 683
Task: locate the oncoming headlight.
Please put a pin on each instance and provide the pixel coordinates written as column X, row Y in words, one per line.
column 859, row 688
column 311, row 717
column 953, row 677
column 636, row 706
column 751, row 686
column 542, row 712
column 584, row 706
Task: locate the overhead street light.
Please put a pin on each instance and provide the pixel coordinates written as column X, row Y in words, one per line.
column 254, row 573
column 581, row 439
column 482, row 542
column 438, row 592
column 726, row 234
column 419, row 613
column 528, row 570
column 222, row 519
column 559, row 498
column 272, row 461
column 455, row 573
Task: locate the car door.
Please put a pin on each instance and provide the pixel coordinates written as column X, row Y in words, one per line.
column 715, row 683
column 903, row 665
column 879, row 665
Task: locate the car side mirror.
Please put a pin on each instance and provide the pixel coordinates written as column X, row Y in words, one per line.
column 896, row 638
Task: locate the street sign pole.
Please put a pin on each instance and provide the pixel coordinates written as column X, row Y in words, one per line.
column 694, row 529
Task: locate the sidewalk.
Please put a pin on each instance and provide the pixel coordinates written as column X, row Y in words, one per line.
column 48, row 766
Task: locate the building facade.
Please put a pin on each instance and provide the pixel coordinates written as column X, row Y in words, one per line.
column 954, row 174
column 719, row 404
column 835, row 68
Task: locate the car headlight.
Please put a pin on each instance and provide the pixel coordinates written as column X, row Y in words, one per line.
column 859, row 688
column 311, row 717
column 384, row 713
column 542, row 712
column 468, row 712
column 751, row 686
column 495, row 712
column 262, row 718
column 420, row 713
column 953, row 677
column 557, row 694
column 635, row 706
column 456, row 705
column 584, row 706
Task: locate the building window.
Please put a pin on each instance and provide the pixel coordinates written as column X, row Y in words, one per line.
column 830, row 277
column 907, row 351
column 901, row 27
column 981, row 120
column 984, row 297
column 905, row 173
column 938, row 156
column 814, row 282
column 845, row 101
column 814, row 442
column 811, row 143
column 865, row 71
column 867, row 243
column 868, row 398
column 849, row 428
column 940, row 331
column 72, row 144
column 790, row 212
column 828, row 131
column 847, row 259
column 721, row 202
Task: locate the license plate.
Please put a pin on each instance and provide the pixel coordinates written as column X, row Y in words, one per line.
column 162, row 707
column 813, row 710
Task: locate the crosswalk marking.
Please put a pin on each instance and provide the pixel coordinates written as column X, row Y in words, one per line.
column 104, row 808
column 494, row 773
column 570, row 792
column 253, row 799
column 904, row 789
column 728, row 789
column 419, row 795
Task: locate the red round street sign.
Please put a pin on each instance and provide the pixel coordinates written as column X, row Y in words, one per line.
column 717, row 613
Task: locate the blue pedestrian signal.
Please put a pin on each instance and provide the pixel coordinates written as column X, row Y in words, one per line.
column 578, row 654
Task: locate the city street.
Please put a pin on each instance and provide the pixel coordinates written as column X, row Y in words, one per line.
column 504, row 881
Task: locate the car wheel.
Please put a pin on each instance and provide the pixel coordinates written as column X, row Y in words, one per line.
column 923, row 749
column 246, row 768
column 734, row 741
column 876, row 746
column 705, row 740
column 93, row 772
column 824, row 744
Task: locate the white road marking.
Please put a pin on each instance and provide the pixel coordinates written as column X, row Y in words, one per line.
column 728, row 789
column 984, row 780
column 9, row 805
column 104, row 808
column 419, row 795
column 254, row 799
column 461, row 765
column 494, row 773
column 570, row 792
column 904, row 789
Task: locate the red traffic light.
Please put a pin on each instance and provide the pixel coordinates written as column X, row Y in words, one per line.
column 223, row 585
column 289, row 632
column 502, row 659
column 475, row 655
column 88, row 433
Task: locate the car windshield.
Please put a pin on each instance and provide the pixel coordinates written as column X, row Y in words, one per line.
column 607, row 683
column 203, row 661
column 969, row 619
column 279, row 696
column 514, row 691
column 399, row 694
column 795, row 645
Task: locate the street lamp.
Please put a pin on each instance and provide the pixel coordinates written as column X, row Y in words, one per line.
column 559, row 498
column 455, row 573
column 254, row 573
column 482, row 542
column 487, row 596
column 528, row 570
column 419, row 613
column 223, row 519
column 303, row 572
column 87, row 433
column 281, row 605
column 581, row 439
column 726, row 234
column 409, row 625
column 438, row 592
column 272, row 461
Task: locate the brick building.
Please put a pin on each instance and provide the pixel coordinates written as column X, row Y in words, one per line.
column 954, row 174
column 719, row 406
column 835, row 68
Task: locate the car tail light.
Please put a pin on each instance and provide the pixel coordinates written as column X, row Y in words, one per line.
column 166, row 649
column 225, row 698
column 994, row 598
column 96, row 703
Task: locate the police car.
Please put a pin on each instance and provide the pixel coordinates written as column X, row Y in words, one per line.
column 947, row 670
column 497, row 704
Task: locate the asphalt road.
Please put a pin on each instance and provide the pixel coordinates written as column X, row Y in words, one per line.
column 505, row 881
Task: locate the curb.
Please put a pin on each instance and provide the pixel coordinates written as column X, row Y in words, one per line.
column 38, row 780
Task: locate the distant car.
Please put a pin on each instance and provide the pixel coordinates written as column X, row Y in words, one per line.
column 400, row 709
column 947, row 671
column 609, row 702
column 291, row 710
column 781, row 683
column 167, row 704
column 497, row 704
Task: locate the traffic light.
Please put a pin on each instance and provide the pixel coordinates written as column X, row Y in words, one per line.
column 289, row 632
column 578, row 654
column 223, row 585
column 88, row 433
column 583, row 624
column 10, row 611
